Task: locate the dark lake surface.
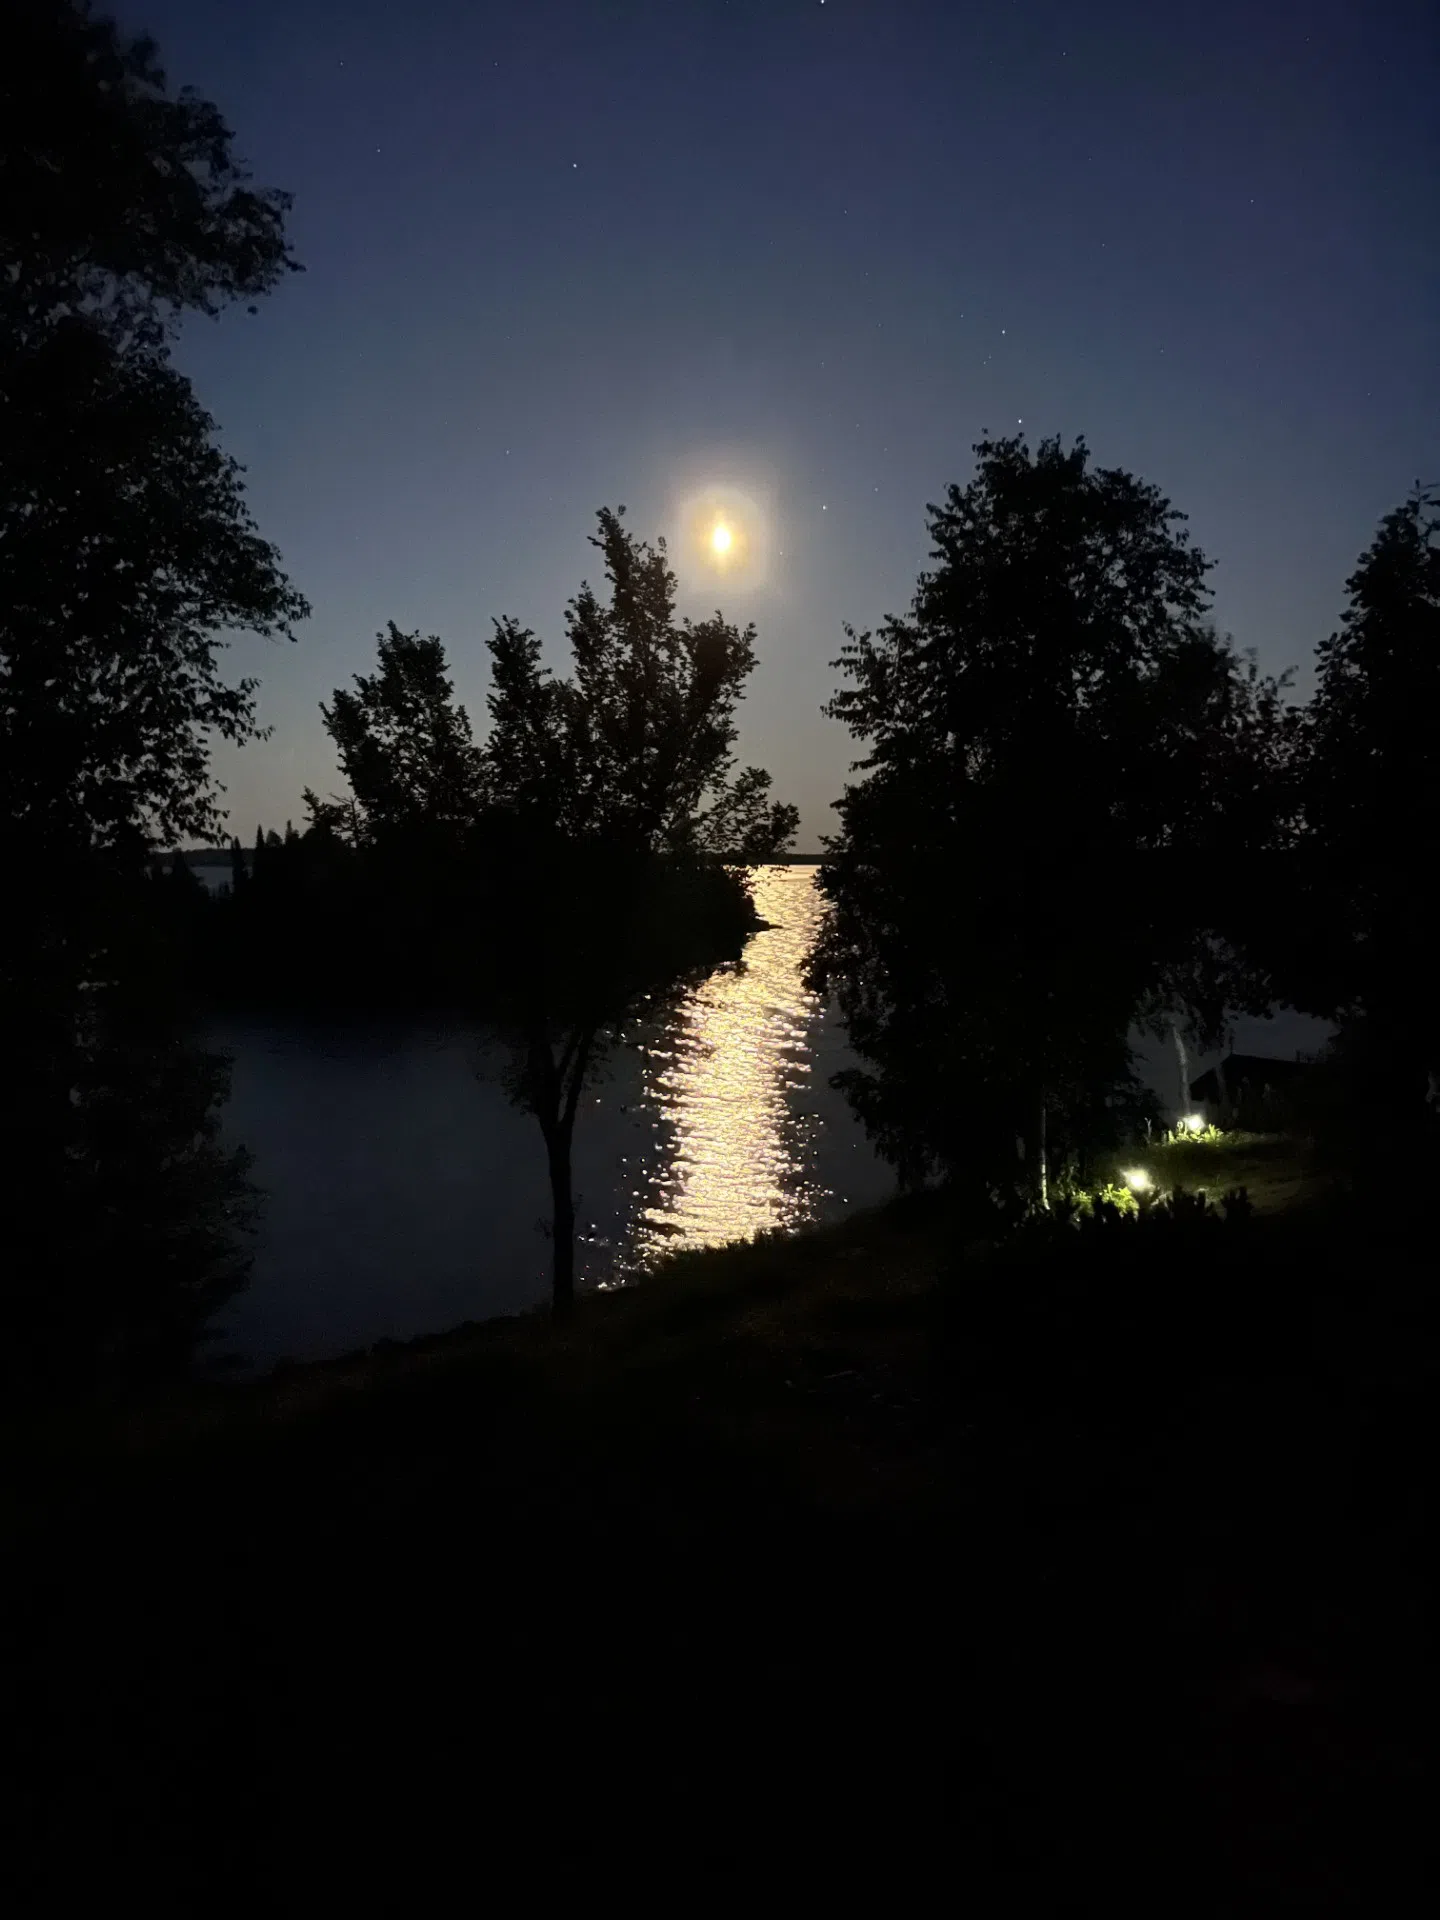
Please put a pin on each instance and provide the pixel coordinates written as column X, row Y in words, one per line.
column 403, row 1194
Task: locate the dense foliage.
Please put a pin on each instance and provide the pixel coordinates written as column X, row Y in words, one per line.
column 639, row 744
column 1352, row 938
column 1062, row 760
column 124, row 200
column 585, row 860
column 127, row 560
column 1372, row 773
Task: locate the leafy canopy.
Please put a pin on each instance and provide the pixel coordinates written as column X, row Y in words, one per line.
column 127, row 558
column 127, row 552
column 122, row 201
column 1052, row 737
column 1358, row 938
column 404, row 742
column 638, row 745
column 618, row 808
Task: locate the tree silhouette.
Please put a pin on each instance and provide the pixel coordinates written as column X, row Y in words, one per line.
column 123, row 202
column 1052, row 737
column 1358, row 947
column 585, row 861
column 127, row 554
column 394, row 862
column 404, row 743
column 127, row 558
column 615, row 805
column 639, row 744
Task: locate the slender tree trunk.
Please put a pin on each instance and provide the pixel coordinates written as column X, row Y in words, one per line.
column 1182, row 1062
column 560, row 1084
column 562, row 1218
column 1042, row 1171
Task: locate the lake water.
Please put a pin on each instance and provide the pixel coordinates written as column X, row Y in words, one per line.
column 404, row 1194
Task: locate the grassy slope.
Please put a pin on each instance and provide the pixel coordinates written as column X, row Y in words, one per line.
column 792, row 1517
column 1268, row 1166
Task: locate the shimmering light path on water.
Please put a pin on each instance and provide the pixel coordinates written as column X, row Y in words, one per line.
column 728, row 1079
column 403, row 1193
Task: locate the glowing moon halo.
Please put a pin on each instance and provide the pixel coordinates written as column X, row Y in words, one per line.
column 722, row 536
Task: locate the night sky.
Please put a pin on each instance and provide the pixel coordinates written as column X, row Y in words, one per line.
column 562, row 253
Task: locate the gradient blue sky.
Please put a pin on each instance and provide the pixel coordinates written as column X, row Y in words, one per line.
column 562, row 253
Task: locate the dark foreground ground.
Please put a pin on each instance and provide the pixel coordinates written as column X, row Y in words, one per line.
column 1071, row 1577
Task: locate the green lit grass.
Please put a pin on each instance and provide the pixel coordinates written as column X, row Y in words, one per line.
column 1271, row 1167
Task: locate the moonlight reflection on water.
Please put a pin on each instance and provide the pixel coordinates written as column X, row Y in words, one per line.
column 725, row 1080
column 402, row 1190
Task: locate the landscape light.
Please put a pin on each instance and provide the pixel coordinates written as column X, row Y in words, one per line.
column 1194, row 1123
column 1137, row 1179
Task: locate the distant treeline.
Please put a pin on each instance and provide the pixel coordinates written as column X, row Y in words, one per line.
column 204, row 856
column 311, row 923
column 224, row 857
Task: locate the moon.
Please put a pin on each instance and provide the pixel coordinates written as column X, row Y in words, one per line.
column 724, row 534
